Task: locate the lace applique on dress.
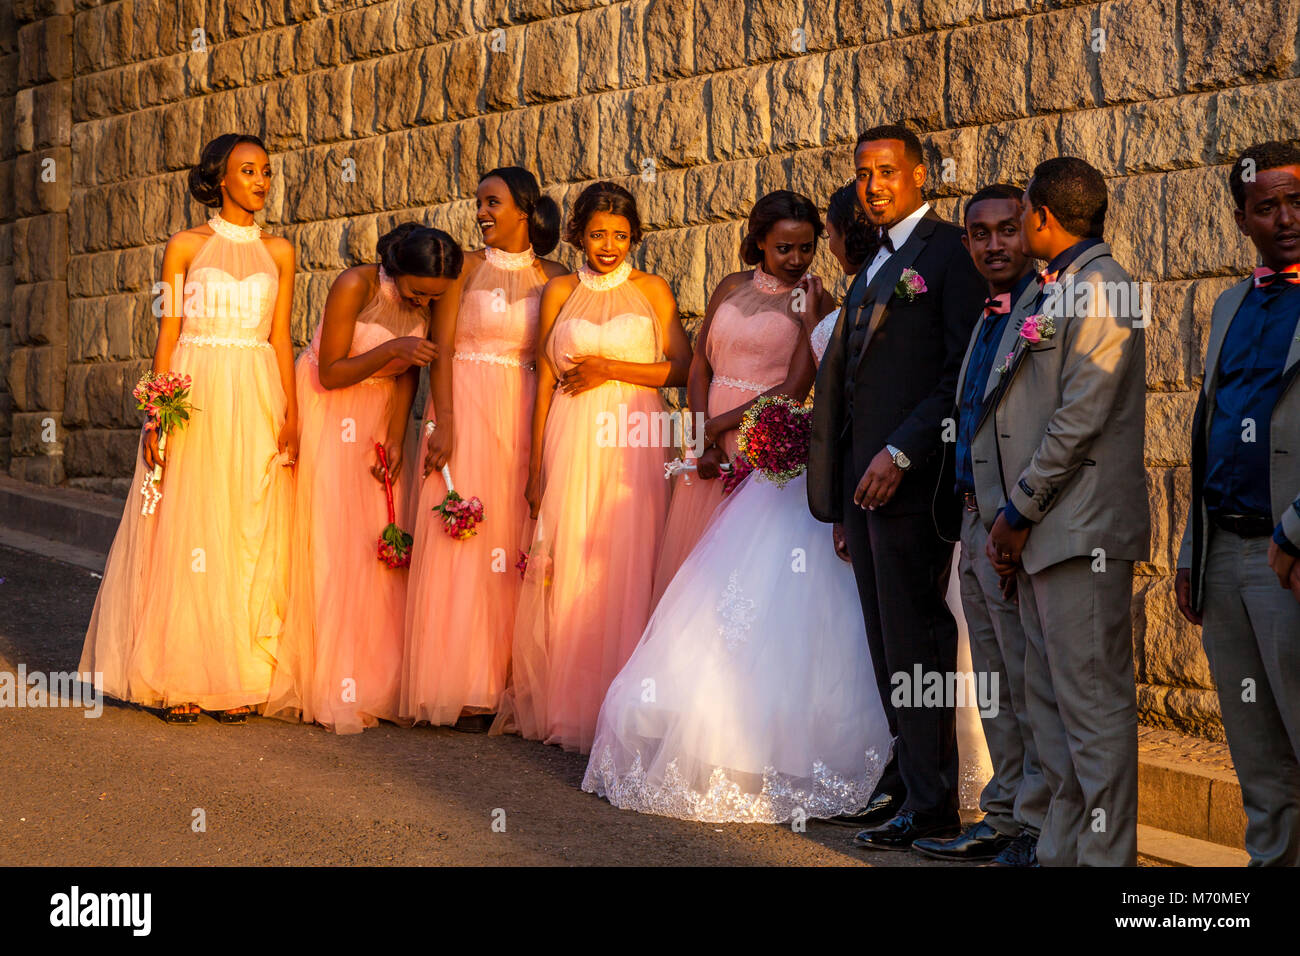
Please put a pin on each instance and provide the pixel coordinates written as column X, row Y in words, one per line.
column 737, row 612
column 602, row 282
column 228, row 230
column 821, row 335
column 510, row 261
column 767, row 283
column 724, row 800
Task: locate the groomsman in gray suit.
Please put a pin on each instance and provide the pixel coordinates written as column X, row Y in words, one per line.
column 1070, row 418
column 1238, row 573
column 1016, row 796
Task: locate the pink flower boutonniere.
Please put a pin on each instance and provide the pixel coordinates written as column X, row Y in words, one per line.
column 1036, row 328
column 910, row 285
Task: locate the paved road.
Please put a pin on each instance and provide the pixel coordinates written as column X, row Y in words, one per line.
column 124, row 788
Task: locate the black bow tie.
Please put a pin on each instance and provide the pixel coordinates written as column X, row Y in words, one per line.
column 883, row 241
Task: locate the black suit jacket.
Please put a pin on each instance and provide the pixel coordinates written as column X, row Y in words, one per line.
column 896, row 363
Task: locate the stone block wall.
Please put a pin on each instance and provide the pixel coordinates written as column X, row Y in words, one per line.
column 383, row 111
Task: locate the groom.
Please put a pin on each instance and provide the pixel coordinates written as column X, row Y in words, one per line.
column 885, row 386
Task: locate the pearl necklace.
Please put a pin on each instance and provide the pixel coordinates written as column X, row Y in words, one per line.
column 598, row 282
column 228, row 230
column 500, row 259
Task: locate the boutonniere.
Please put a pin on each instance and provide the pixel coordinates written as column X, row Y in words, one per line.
column 910, row 285
column 1036, row 328
column 1006, row 363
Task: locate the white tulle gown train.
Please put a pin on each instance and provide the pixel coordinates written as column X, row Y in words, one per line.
column 751, row 697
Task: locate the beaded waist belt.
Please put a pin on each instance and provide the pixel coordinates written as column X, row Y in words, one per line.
column 491, row 358
column 740, row 383
column 220, row 341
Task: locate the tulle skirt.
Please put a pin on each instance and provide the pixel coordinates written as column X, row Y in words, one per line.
column 689, row 512
column 590, row 569
column 751, row 697
column 340, row 657
column 193, row 598
column 460, row 611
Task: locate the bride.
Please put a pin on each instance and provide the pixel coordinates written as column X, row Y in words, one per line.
column 751, row 697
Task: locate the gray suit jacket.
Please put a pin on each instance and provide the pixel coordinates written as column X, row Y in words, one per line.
column 1283, row 435
column 984, row 445
column 1070, row 422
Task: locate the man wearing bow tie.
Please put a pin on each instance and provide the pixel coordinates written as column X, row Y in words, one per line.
column 1016, row 796
column 1069, row 416
column 885, row 386
column 1238, row 571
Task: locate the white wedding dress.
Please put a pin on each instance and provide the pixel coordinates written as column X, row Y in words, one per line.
column 751, row 697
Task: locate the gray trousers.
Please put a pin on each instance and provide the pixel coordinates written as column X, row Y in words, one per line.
column 1251, row 632
column 1083, row 709
column 1016, row 796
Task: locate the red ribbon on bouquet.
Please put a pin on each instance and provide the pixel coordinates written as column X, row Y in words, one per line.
column 394, row 543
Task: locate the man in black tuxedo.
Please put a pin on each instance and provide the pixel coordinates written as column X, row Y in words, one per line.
column 885, row 386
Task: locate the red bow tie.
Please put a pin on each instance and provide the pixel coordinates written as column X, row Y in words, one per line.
column 1265, row 277
column 998, row 304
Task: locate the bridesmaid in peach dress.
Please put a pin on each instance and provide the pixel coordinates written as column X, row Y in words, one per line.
column 751, row 344
column 460, row 610
column 193, row 596
column 340, row 658
column 611, row 338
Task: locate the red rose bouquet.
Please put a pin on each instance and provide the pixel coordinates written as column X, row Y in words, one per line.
column 774, row 438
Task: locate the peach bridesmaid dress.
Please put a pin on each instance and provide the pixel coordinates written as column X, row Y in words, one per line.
column 586, row 593
column 340, row 657
column 192, row 601
column 752, row 341
column 460, row 612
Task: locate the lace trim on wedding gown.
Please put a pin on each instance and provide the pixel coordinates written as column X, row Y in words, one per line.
column 725, row 801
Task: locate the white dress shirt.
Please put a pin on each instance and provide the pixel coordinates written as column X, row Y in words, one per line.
column 898, row 234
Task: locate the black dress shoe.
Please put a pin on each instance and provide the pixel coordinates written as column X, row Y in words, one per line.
column 878, row 810
column 902, row 830
column 979, row 841
column 1022, row 851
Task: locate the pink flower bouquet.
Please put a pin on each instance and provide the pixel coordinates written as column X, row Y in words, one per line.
column 460, row 516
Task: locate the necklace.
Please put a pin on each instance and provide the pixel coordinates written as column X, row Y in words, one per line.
column 600, row 283
column 768, row 284
column 228, row 230
column 501, row 259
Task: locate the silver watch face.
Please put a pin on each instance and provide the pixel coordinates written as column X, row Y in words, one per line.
column 902, row 461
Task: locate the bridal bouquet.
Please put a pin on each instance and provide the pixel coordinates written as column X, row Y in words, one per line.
column 394, row 543
column 164, row 398
column 459, row 515
column 774, row 437
column 738, row 472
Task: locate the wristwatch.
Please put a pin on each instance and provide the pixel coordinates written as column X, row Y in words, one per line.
column 900, row 459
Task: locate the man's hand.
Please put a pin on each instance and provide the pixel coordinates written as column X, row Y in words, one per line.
column 841, row 542
column 1183, row 593
column 879, row 482
column 1004, row 546
column 1281, row 563
column 1007, row 585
